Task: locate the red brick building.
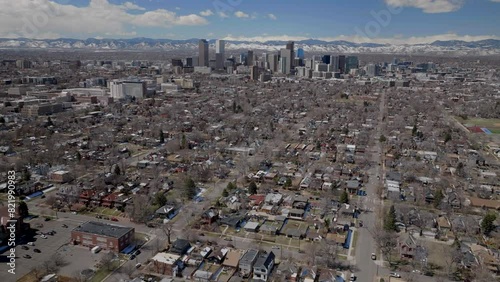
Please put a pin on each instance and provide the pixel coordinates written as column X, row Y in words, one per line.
column 107, row 236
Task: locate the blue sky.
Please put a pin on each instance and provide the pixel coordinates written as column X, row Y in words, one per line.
column 401, row 21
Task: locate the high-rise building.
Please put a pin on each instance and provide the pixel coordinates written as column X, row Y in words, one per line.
column 283, row 67
column 351, row 62
column 286, row 60
column 300, row 53
column 243, row 58
column 326, row 59
column 334, row 63
column 254, row 72
column 203, row 53
column 250, row 58
column 372, row 70
column 177, row 63
column 189, row 62
column 342, row 63
column 219, row 53
column 290, row 46
column 273, row 62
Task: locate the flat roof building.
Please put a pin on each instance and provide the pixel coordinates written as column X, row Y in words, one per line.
column 107, row 236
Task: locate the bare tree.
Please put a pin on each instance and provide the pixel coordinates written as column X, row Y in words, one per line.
column 107, row 261
column 58, row 260
column 167, row 230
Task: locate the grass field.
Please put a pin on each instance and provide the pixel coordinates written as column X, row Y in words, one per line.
column 492, row 124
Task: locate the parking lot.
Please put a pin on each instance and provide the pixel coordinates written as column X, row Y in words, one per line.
column 47, row 247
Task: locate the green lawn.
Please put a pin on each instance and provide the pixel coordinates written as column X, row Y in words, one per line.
column 106, row 211
column 354, row 240
column 104, row 272
column 492, row 124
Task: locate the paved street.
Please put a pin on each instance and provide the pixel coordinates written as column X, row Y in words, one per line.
column 366, row 269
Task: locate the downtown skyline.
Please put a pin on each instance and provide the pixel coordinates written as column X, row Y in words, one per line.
column 381, row 21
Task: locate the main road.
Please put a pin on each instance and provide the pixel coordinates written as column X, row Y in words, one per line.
column 366, row 269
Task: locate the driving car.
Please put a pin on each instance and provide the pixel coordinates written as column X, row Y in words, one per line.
column 395, row 275
column 374, row 257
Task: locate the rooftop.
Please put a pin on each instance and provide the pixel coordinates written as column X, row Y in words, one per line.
column 166, row 258
column 104, row 229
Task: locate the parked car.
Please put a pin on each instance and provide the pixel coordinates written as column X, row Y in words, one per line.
column 374, row 256
column 27, row 256
column 114, row 219
column 64, row 226
column 31, row 243
column 43, row 236
column 37, row 251
column 395, row 275
column 353, row 277
column 24, row 248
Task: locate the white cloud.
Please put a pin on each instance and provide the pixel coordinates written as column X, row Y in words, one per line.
column 207, row 13
column 132, row 6
column 33, row 18
column 398, row 40
column 223, row 15
column 429, row 6
column 272, row 16
column 240, row 14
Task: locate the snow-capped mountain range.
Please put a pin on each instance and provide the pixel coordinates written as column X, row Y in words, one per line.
column 453, row 47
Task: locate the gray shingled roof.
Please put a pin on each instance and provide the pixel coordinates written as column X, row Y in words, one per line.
column 103, row 229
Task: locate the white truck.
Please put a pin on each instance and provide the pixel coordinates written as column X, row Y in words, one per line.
column 96, row 249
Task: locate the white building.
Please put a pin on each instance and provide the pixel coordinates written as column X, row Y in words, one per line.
column 122, row 89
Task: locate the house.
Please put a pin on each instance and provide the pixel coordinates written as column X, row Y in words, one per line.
column 353, row 186
column 294, row 213
column 233, row 221
column 407, row 246
column 180, row 247
column 287, row 270
column 247, row 261
column 5, row 150
column 444, row 225
column 251, row 226
column 347, row 210
column 274, row 198
column 167, row 211
column 210, row 216
column 109, row 200
column 263, row 266
column 61, row 176
column 165, row 264
column 484, row 203
column 232, row 259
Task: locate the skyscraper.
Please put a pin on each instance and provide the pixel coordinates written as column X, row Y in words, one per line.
column 285, row 61
column 254, row 73
column 203, row 53
column 219, row 53
column 326, row 59
column 300, row 53
column 351, row 62
column 342, row 63
column 250, row 58
column 273, row 62
column 334, row 63
column 290, row 46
